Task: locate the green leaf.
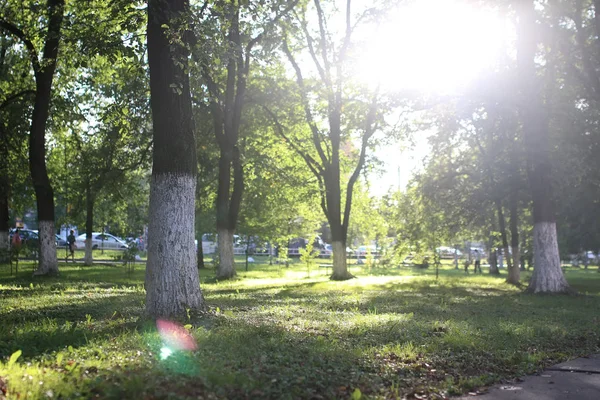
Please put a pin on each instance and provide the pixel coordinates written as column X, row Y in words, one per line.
column 59, row 358
column 356, row 395
column 14, row 357
column 228, row 313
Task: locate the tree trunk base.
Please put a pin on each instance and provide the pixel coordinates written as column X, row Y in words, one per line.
column 547, row 275
column 226, row 267
column 48, row 262
column 341, row 277
column 172, row 283
column 514, row 273
column 340, row 265
column 89, row 258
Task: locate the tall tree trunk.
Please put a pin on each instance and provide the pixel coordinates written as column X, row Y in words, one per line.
column 226, row 265
column 226, row 110
column 4, row 188
column 4, row 181
column 200, row 255
column 44, row 75
column 514, row 273
column 492, row 258
column 338, row 246
column 503, row 235
column 89, row 225
column 172, row 282
column 547, row 275
column 4, row 242
column 199, row 234
column 338, row 230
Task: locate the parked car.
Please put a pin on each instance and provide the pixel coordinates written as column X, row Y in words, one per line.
column 104, row 241
column 448, row 252
column 362, row 251
column 31, row 238
column 61, row 242
column 327, row 251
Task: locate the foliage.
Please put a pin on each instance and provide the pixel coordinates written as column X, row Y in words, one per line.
column 309, row 254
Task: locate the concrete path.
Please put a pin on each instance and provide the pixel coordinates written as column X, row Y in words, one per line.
column 576, row 379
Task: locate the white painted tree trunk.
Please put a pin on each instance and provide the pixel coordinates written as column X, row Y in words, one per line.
column 547, row 275
column 89, row 258
column 226, row 267
column 514, row 273
column 340, row 265
column 48, row 262
column 172, row 283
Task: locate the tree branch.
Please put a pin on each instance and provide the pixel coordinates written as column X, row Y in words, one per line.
column 309, row 117
column 271, row 23
column 311, row 51
column 323, row 32
column 312, row 164
column 369, row 132
column 14, row 30
column 15, row 96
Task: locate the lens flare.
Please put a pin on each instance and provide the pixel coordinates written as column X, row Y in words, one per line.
column 175, row 337
column 165, row 352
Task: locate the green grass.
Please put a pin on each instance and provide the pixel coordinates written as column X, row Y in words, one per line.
column 276, row 332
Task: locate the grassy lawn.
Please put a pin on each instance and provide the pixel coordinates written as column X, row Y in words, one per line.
column 277, row 333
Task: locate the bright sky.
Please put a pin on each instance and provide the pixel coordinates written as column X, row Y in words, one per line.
column 430, row 46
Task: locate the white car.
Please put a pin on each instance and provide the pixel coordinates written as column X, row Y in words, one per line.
column 100, row 240
column 362, row 251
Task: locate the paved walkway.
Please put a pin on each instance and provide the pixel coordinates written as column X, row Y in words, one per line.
column 576, row 379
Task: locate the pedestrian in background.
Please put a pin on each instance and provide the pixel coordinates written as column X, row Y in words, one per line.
column 71, row 244
column 477, row 261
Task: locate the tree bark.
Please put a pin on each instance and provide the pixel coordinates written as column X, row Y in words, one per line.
column 228, row 206
column 4, row 242
column 200, row 255
column 547, row 275
column 226, row 267
column 226, row 110
column 338, row 230
column 44, row 75
column 89, row 226
column 4, row 188
column 514, row 273
column 172, row 282
column 492, row 258
column 503, row 235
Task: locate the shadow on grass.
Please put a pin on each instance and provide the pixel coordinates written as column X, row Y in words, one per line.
column 41, row 329
column 301, row 340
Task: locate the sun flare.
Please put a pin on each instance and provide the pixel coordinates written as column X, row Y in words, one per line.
column 432, row 46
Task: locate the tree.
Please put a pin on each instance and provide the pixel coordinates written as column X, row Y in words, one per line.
column 172, row 283
column 344, row 114
column 43, row 69
column 367, row 221
column 233, row 42
column 120, row 143
column 15, row 111
column 280, row 201
column 573, row 105
column 547, row 276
